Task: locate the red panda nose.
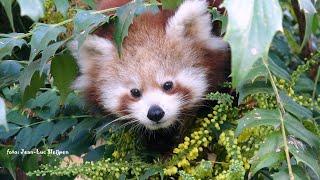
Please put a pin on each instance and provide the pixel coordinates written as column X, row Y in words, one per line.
column 155, row 113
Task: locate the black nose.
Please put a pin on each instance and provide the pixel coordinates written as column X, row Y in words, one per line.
column 155, row 113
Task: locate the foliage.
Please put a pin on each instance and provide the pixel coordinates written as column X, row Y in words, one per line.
column 269, row 129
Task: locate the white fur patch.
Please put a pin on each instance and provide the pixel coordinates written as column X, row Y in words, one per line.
column 93, row 50
column 169, row 103
column 193, row 14
column 111, row 95
column 195, row 80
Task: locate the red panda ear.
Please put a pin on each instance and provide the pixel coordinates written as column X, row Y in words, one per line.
column 192, row 22
column 94, row 50
column 91, row 54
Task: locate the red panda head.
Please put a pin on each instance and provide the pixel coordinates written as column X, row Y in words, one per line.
column 162, row 71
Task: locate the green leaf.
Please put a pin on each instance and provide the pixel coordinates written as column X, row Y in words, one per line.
column 217, row 16
column 62, row 6
column 305, row 155
column 7, row 4
column 61, row 127
column 37, row 81
column 83, row 127
column 298, row 173
column 150, row 172
column 85, row 22
column 7, row 45
column 27, row 74
column 254, row 88
column 296, row 129
column 125, row 15
column 258, row 117
column 40, row 132
column 276, row 69
column 64, row 71
column 9, row 72
column 23, row 139
column 48, row 53
column 14, row 116
column 46, row 104
column 272, row 143
column 32, row 8
column 291, row 106
column 3, row 119
column 13, row 129
column 42, row 35
column 309, row 11
column 170, row 4
column 250, row 30
column 268, row 160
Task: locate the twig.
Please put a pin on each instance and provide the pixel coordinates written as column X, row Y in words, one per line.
column 282, row 113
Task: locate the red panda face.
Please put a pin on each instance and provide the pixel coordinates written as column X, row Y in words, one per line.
column 161, row 72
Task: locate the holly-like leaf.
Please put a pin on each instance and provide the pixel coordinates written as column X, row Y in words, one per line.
column 250, row 30
column 42, row 35
column 291, row 106
column 254, row 88
column 298, row 173
column 62, row 6
column 23, row 139
column 26, row 75
column 268, row 160
column 14, row 116
column 7, row 4
column 46, row 104
column 258, row 117
column 9, row 72
column 170, row 4
column 37, row 81
column 7, row 45
column 13, row 129
column 48, row 53
column 40, row 132
column 83, row 127
column 309, row 11
column 305, row 155
column 3, row 119
column 64, row 71
column 125, row 16
column 32, row 8
column 61, row 127
column 85, row 22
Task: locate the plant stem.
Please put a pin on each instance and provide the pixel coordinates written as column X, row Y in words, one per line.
column 282, row 113
column 315, row 84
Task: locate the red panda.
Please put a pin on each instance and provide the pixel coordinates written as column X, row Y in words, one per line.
column 169, row 61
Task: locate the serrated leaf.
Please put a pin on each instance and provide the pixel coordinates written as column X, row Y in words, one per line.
column 83, row 127
column 77, row 145
column 268, row 160
column 13, row 129
column 256, row 87
column 305, row 155
column 49, row 52
column 296, row 129
column 125, row 15
column 9, row 72
column 61, row 127
column 23, row 139
column 98, row 153
column 298, row 173
column 16, row 117
column 27, row 74
column 250, row 30
column 62, row 6
column 40, row 132
column 37, row 81
column 309, row 11
column 258, row 117
column 85, row 22
column 64, row 71
column 3, row 119
column 170, row 4
column 7, row 4
column 276, row 69
column 46, row 104
column 150, row 172
column 7, row 45
column 32, row 8
column 42, row 35
column 272, row 143
column 294, row 108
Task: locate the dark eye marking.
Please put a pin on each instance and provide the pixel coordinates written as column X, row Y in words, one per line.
column 167, row 85
column 135, row 93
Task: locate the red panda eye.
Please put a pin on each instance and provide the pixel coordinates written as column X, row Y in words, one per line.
column 135, row 93
column 167, row 85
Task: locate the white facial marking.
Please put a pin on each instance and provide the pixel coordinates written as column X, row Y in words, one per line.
column 169, row 103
